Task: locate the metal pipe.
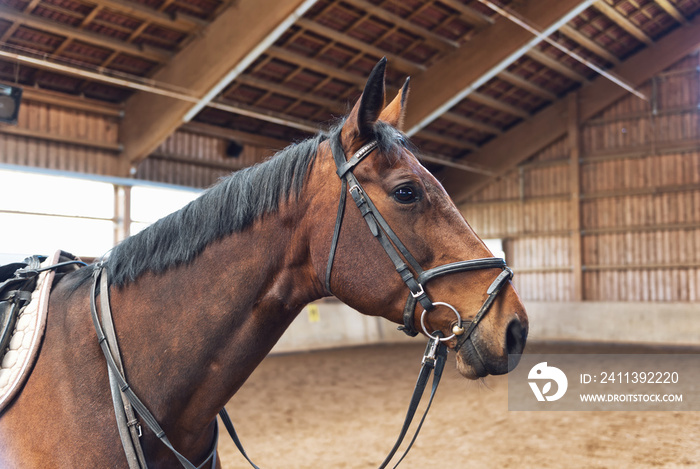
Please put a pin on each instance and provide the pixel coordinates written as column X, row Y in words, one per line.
column 156, row 89
column 524, row 24
column 498, row 68
column 125, row 83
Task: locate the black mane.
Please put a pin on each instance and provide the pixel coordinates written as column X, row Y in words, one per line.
column 230, row 206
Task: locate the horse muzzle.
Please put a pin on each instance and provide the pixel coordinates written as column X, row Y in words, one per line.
column 478, row 357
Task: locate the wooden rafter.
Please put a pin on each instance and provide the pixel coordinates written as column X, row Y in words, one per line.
column 479, row 20
column 447, row 140
column 494, row 103
column 589, row 44
column 402, row 64
column 432, row 39
column 287, row 91
column 38, row 95
column 623, row 22
column 521, row 82
column 529, row 137
column 265, row 115
column 316, row 66
column 453, row 76
column 149, row 53
column 557, row 66
column 237, row 135
column 180, row 22
column 471, row 123
column 149, row 119
column 672, row 10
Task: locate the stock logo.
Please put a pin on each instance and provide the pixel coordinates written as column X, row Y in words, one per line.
column 547, row 374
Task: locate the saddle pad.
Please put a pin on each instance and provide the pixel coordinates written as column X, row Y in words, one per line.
column 26, row 340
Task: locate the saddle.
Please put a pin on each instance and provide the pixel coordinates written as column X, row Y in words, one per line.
column 17, row 282
column 24, row 294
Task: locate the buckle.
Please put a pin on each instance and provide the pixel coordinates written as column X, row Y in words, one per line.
column 419, row 293
column 431, row 351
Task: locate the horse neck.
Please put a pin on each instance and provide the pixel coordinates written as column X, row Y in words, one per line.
column 199, row 330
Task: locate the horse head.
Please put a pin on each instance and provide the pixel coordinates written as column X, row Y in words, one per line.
column 407, row 222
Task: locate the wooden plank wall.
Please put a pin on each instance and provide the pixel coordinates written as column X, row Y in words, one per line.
column 75, row 135
column 639, row 202
column 195, row 160
column 56, row 137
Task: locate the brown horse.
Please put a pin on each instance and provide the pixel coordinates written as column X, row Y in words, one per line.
column 201, row 297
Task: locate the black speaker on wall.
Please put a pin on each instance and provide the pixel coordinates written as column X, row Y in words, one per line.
column 10, row 96
column 234, row 149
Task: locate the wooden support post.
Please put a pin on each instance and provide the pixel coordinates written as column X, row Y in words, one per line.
column 574, row 142
column 122, row 213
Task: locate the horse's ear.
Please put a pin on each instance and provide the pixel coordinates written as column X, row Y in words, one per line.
column 394, row 113
column 367, row 109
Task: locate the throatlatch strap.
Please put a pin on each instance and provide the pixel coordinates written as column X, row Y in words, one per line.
column 336, row 234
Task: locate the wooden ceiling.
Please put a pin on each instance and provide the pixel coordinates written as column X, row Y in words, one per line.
column 486, row 93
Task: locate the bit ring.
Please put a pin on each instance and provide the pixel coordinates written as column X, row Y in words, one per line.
column 441, row 339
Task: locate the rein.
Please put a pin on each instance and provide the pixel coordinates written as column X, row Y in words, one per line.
column 415, row 278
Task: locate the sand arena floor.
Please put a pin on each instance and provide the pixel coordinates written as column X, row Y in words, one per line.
column 344, row 408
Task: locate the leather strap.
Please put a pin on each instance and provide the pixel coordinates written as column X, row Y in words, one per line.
column 454, row 267
column 336, row 233
column 436, row 363
column 127, row 423
column 433, row 361
column 234, row 436
column 378, row 226
column 492, row 291
column 124, row 387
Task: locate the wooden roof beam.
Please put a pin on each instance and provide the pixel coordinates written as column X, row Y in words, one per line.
column 145, row 52
column 237, row 135
column 316, row 66
column 362, row 47
column 589, row 44
column 432, row 39
column 314, row 98
column 494, row 103
column 266, row 115
column 473, row 16
column 487, row 54
column 204, row 67
column 54, row 98
column 552, row 63
column 471, row 123
column 529, row 137
column 672, row 10
column 178, row 22
column 528, row 86
column 447, row 140
column 623, row 22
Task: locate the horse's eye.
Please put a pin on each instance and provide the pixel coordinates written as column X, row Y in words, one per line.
column 406, row 195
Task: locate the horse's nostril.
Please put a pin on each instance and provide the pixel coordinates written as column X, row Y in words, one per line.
column 516, row 336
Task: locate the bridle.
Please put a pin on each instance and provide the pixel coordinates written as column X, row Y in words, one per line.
column 125, row 400
column 410, row 271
